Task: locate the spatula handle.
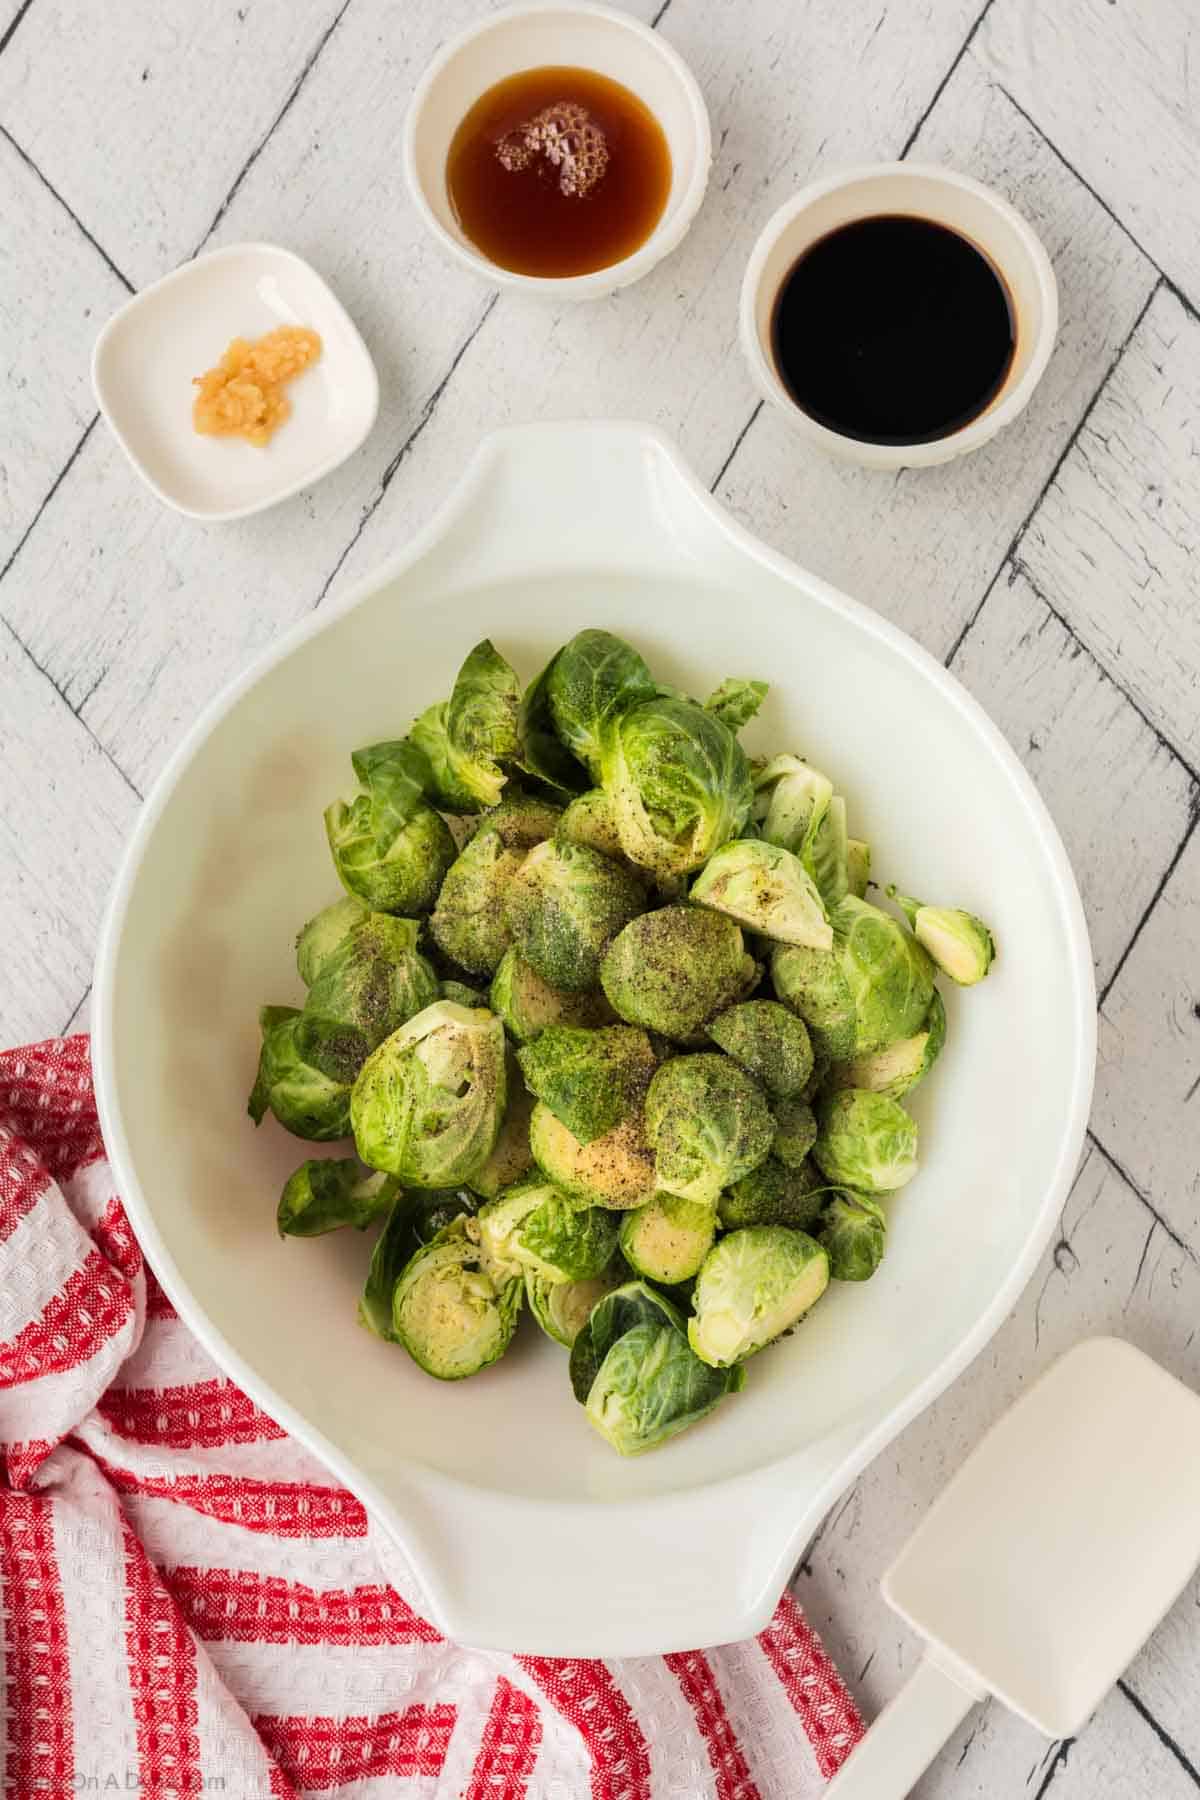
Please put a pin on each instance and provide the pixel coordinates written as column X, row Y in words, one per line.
column 905, row 1738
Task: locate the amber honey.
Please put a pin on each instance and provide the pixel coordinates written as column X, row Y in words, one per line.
column 558, row 171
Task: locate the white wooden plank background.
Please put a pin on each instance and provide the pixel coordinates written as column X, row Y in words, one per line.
column 1056, row 570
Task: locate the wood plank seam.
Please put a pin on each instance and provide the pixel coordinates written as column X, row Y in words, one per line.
column 1154, row 898
column 1120, row 1170
column 942, row 85
column 45, row 501
column 1163, row 1736
column 50, row 188
column 7, row 39
column 46, row 676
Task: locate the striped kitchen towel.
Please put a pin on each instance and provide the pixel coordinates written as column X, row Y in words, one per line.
column 190, row 1605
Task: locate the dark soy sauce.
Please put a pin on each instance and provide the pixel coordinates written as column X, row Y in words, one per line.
column 893, row 330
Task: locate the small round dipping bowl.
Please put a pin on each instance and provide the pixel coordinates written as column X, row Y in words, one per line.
column 911, row 190
column 578, row 36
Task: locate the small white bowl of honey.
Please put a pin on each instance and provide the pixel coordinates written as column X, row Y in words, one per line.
column 559, row 149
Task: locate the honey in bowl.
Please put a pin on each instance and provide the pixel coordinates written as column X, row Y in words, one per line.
column 557, row 172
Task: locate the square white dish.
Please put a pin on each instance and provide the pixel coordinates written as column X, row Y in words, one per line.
column 554, row 527
column 147, row 355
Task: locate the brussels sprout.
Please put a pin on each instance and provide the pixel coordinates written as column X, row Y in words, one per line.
column 774, row 1194
column 766, row 889
column 795, row 1132
column 616, row 1170
column 542, row 753
column 671, row 970
column 960, row 944
column 736, row 701
column 769, row 1042
column 372, row 982
column 307, row 1101
column 590, row 679
column 396, row 1243
column 461, row 994
column 532, row 1226
column 590, row 1080
column 564, row 906
column 755, row 1284
column 527, row 1004
column 858, row 867
column 430, row 1210
column 854, row 1233
column 448, row 1312
column 323, row 934
column 468, row 738
column 679, row 783
column 798, row 810
column 865, row 1141
column 873, row 987
column 511, row 1156
column 591, row 821
column 389, row 847
column 899, row 1066
column 562, row 1308
column 708, row 1125
column 521, row 821
column 427, row 1105
column 468, row 921
column 324, row 1194
column 635, row 1375
column 667, row 1239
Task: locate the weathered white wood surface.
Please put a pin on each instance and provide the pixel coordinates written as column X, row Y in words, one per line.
column 1056, row 569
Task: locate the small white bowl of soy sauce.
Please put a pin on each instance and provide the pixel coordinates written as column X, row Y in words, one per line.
column 901, row 314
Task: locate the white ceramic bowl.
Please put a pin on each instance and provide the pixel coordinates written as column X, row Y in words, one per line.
column 526, row 1529
column 578, row 36
column 950, row 199
column 147, row 354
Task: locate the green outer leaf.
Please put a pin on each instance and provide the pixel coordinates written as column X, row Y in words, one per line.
column 405, row 878
column 563, row 1241
column 396, row 777
column 469, row 738
column 593, row 677
column 854, row 1233
column 317, row 941
column 679, row 782
column 736, row 701
column 395, row 1244
column 324, row 1194
column 306, row 1102
column 634, row 1303
column 651, row 1386
column 543, row 753
column 590, row 1080
column 774, row 1194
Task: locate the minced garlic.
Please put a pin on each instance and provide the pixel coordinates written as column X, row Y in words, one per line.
column 243, row 395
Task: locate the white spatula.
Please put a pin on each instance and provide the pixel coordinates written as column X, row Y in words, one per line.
column 1046, row 1563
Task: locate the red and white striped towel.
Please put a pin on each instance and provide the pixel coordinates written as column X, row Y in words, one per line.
column 189, row 1605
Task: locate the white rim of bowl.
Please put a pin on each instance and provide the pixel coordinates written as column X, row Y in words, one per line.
column 958, row 443
column 671, row 229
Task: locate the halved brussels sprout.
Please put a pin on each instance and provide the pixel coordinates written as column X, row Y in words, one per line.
column 708, row 1125
column 306, row 1099
column 318, row 940
column 616, row 1170
column 389, row 847
column 795, row 1132
column 797, row 809
column 470, row 737
column 562, row 1308
column 873, row 987
column 633, row 1372
column 766, row 889
column 865, row 1141
column 736, row 701
column 590, row 679
column 590, row 820
column 769, row 1042
column 564, row 906
column 755, row 1284
column 960, row 944
column 672, row 970
column 774, row 1194
column 858, row 867
column 374, row 980
column 667, row 1239
column 428, row 1104
column 531, row 1225
column 590, row 1080
column 854, row 1233
column 899, row 1066
column 325, row 1194
column 527, row 1004
column 448, row 1312
column 511, row 1157
column 679, row 783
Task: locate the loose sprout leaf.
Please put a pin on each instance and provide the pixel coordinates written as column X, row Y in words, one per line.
column 396, row 777
column 858, row 867
column 394, row 1246
column 791, row 799
column 542, row 752
column 470, row 738
column 679, row 783
column 326, row 1194
column 562, row 1308
column 592, row 678
column 736, row 701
